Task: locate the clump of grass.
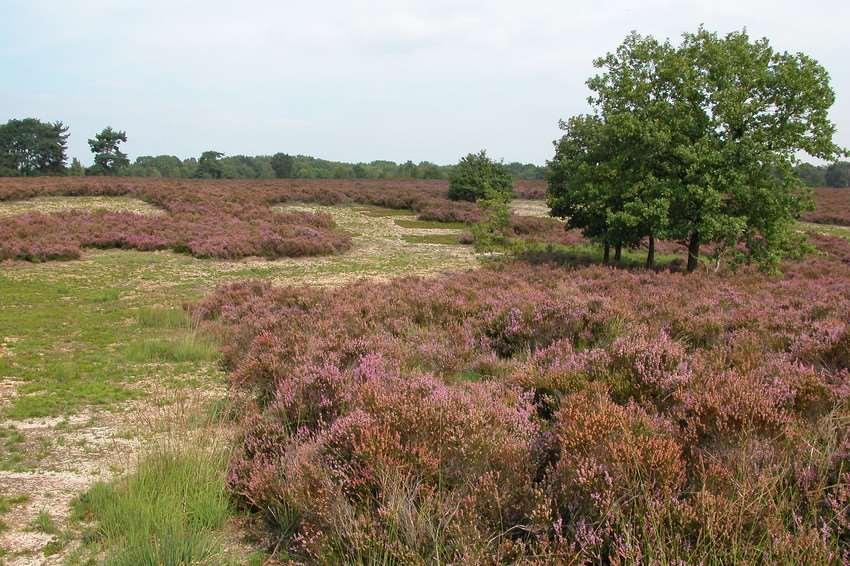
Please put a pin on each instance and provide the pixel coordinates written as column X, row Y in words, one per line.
column 188, row 348
column 105, row 295
column 44, row 523
column 6, row 504
column 158, row 317
column 378, row 212
column 429, row 224
column 11, row 457
column 442, row 239
column 63, row 393
column 168, row 512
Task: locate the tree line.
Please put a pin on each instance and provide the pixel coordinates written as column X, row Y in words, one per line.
column 835, row 175
column 31, row 147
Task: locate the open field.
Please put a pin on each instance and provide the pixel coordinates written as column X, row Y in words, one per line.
column 395, row 401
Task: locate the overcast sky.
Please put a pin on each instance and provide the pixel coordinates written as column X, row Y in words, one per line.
column 354, row 81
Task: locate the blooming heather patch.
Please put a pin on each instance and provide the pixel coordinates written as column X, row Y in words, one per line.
column 531, row 413
column 832, row 206
column 218, row 219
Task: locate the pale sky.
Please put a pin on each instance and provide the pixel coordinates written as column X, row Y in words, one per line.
column 355, row 81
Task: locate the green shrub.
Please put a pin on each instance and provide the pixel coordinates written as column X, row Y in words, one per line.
column 474, row 174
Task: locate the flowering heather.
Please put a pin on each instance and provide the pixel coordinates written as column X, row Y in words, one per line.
column 832, row 206
column 220, row 219
column 536, row 414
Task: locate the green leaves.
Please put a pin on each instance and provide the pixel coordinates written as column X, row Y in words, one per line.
column 475, row 173
column 108, row 159
column 694, row 142
column 32, row 147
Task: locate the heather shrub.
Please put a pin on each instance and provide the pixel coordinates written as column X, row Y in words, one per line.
column 533, row 413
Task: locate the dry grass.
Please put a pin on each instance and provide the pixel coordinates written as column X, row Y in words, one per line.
column 63, row 204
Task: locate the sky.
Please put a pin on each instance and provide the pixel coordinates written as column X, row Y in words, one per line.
column 355, row 81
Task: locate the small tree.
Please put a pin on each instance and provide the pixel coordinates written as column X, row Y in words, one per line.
column 475, row 174
column 76, row 168
column 491, row 232
column 108, row 159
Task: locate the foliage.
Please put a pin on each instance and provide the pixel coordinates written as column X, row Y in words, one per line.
column 838, row 175
column 695, row 143
column 492, row 231
column 475, row 175
column 528, row 413
column 32, row 147
column 283, row 165
column 108, row 159
column 76, row 169
column 209, row 166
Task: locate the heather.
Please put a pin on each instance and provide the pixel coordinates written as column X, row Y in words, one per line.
column 527, row 412
column 832, row 206
column 224, row 219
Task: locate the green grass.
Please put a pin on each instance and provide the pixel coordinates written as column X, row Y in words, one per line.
column 12, row 455
column 381, row 212
column 828, row 229
column 43, row 523
column 168, row 512
column 430, row 224
column 185, row 348
column 7, row 502
column 160, row 317
column 444, row 239
column 589, row 254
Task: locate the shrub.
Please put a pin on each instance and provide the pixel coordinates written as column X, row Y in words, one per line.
column 523, row 413
column 475, row 174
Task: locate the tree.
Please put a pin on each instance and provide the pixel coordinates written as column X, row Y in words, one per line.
column 76, row 168
column 838, row 174
column 283, row 165
column 474, row 174
column 811, row 175
column 706, row 138
column 32, row 147
column 108, row 159
column 491, row 232
column 209, row 166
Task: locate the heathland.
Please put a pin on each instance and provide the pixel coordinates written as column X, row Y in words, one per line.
column 326, row 371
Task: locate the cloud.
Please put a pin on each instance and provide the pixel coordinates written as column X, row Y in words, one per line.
column 353, row 80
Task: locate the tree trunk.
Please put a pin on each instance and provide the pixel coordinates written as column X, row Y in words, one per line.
column 606, row 253
column 693, row 252
column 650, row 253
column 618, row 252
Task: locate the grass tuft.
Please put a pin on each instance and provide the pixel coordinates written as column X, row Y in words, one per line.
column 166, row 513
column 158, row 317
column 429, row 224
column 442, row 239
column 187, row 348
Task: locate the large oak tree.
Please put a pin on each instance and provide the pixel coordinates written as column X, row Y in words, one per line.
column 702, row 142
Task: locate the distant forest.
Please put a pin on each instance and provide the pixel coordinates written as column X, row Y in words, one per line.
column 31, row 147
column 300, row 167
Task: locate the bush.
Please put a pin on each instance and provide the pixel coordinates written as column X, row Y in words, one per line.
column 525, row 414
column 475, row 174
